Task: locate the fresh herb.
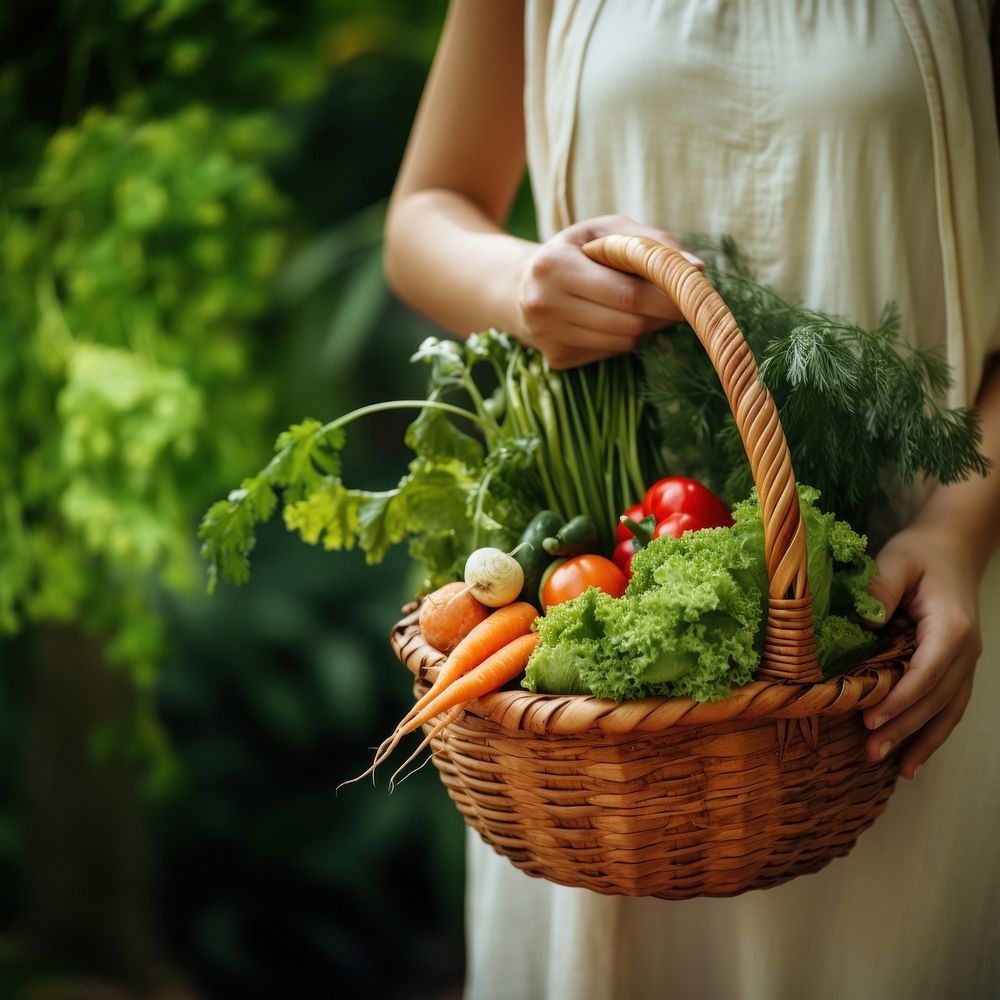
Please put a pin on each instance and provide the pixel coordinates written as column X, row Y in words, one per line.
column 487, row 460
column 501, row 436
column 856, row 405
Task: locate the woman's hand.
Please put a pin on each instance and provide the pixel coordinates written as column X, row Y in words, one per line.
column 576, row 311
column 933, row 568
column 926, row 569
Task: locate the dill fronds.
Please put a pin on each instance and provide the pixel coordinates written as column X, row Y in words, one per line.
column 859, row 407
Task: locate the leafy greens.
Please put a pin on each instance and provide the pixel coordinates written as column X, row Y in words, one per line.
column 689, row 624
column 570, row 441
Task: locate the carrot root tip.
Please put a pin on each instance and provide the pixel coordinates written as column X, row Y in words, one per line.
column 419, row 767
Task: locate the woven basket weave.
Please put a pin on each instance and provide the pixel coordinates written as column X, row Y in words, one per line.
column 670, row 797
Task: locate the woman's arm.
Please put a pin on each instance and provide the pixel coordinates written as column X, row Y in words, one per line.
column 934, row 567
column 446, row 252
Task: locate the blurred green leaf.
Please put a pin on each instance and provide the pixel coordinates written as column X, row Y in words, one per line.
column 354, row 322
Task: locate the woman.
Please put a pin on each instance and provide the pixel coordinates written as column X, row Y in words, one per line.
column 851, row 151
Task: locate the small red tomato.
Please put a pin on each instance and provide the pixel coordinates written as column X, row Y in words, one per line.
column 622, row 556
column 680, row 495
column 675, row 525
column 635, row 513
column 568, row 579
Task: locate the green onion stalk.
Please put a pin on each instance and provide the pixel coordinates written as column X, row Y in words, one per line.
column 592, row 426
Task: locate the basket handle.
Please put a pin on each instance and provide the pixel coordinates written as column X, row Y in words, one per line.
column 789, row 642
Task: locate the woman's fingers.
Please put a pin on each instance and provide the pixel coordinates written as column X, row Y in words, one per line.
column 571, row 346
column 575, row 310
column 898, row 575
column 555, row 311
column 941, row 640
column 936, row 697
column 607, row 225
column 561, row 359
column 560, row 271
column 622, row 293
column 930, row 697
column 928, row 701
column 934, row 734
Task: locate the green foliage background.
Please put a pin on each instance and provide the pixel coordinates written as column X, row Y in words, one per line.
column 190, row 221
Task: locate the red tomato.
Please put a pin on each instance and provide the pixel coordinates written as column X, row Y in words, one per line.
column 636, row 512
column 622, row 556
column 676, row 524
column 679, row 495
column 565, row 580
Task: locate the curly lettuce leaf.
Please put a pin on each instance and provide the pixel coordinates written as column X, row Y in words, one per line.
column 686, row 626
column 841, row 643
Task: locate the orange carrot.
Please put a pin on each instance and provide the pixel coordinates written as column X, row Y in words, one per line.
column 449, row 614
column 504, row 665
column 502, row 627
column 439, row 728
column 484, row 641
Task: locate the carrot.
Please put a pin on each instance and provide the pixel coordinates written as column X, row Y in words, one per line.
column 441, row 726
column 504, row 665
column 490, row 636
column 495, row 671
column 495, row 632
column 448, row 615
column 503, row 626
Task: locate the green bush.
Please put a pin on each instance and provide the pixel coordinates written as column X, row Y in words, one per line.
column 190, row 224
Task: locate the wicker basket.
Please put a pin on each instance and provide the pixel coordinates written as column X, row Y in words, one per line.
column 666, row 796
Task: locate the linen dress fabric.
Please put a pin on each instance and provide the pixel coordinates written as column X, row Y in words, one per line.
column 850, row 148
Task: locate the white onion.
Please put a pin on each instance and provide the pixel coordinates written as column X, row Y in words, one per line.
column 494, row 577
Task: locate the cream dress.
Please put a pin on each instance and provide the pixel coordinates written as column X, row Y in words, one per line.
column 851, row 150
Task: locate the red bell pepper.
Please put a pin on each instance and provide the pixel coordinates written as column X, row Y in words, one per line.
column 680, row 495
column 676, row 524
column 622, row 556
column 623, row 533
column 640, row 534
column 671, row 507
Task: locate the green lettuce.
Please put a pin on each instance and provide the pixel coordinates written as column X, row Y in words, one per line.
column 839, row 567
column 689, row 624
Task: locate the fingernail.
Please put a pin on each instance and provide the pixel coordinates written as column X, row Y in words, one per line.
column 879, row 720
column 885, row 748
column 916, row 770
column 691, row 257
